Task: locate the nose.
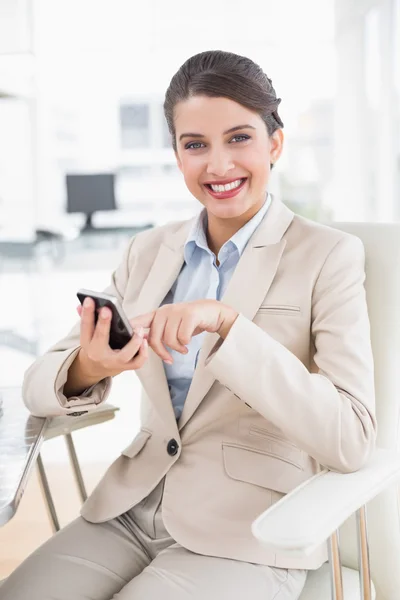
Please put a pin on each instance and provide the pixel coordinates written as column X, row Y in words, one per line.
column 219, row 163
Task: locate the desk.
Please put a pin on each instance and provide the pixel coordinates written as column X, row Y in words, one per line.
column 21, row 437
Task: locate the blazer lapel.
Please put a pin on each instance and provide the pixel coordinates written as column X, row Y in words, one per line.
column 246, row 290
column 160, row 279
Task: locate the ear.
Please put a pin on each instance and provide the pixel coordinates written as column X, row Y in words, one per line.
column 276, row 141
column 178, row 161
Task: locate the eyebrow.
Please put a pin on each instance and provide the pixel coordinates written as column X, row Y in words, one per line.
column 231, row 130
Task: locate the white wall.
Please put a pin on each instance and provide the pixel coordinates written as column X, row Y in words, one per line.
column 14, row 26
column 17, row 207
column 367, row 108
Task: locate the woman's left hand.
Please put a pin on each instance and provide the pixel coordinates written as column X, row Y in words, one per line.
column 174, row 325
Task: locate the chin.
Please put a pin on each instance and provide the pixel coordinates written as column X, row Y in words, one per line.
column 226, row 212
column 223, row 209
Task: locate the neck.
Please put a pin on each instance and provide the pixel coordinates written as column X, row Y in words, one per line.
column 219, row 231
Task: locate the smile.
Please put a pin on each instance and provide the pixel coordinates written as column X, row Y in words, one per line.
column 226, row 190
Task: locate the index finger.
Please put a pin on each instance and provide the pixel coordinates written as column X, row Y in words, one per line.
column 144, row 320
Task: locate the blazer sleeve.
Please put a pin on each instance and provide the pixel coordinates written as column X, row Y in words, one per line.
column 43, row 383
column 329, row 413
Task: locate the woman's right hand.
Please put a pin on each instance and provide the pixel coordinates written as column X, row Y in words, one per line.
column 98, row 359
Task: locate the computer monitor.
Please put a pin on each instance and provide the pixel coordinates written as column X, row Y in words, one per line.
column 87, row 193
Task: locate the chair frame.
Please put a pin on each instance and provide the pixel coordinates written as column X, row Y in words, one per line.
column 65, row 426
column 45, row 487
column 363, row 560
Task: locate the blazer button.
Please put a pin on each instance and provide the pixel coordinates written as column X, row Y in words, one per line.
column 172, row 447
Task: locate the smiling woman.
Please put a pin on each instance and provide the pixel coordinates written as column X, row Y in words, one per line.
column 232, row 339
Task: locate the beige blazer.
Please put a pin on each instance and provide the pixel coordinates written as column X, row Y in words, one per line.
column 290, row 389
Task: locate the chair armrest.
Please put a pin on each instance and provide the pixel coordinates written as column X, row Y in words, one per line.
column 67, row 424
column 306, row 517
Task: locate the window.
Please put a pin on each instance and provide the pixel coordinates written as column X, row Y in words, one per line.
column 135, row 126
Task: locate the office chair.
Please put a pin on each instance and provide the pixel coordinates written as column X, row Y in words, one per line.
column 332, row 506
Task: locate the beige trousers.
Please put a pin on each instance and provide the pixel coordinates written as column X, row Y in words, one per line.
column 133, row 557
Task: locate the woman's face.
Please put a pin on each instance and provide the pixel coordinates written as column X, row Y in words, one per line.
column 224, row 152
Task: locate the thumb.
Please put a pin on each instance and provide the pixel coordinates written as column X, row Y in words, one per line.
column 144, row 321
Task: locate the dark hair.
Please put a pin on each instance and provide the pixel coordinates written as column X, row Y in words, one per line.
column 216, row 73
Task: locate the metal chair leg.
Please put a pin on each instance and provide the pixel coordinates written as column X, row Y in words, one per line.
column 336, row 567
column 363, row 555
column 44, row 484
column 73, row 458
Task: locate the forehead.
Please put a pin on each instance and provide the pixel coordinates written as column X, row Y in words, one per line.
column 202, row 114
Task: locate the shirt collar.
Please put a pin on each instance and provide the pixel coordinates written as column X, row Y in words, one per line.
column 197, row 236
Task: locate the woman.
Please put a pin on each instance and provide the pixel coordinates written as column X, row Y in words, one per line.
column 254, row 354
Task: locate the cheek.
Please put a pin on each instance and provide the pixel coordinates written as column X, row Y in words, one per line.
column 257, row 163
column 191, row 170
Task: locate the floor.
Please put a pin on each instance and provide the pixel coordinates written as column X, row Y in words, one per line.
column 38, row 307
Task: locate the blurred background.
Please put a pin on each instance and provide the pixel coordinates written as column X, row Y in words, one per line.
column 85, row 156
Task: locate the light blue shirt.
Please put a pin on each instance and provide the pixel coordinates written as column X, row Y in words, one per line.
column 201, row 278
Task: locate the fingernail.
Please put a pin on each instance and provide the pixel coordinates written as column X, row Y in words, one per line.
column 86, row 302
column 139, row 332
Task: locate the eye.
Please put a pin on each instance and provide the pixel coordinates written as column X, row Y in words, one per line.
column 240, row 138
column 193, row 145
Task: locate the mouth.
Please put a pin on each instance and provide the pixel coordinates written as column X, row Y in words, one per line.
column 227, row 190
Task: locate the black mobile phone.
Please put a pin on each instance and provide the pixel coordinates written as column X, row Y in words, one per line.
column 120, row 329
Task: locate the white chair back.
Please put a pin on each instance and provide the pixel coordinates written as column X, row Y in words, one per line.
column 382, row 248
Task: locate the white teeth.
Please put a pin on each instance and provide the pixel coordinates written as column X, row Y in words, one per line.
column 227, row 187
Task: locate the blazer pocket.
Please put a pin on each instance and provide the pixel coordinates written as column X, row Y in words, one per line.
column 280, row 309
column 138, row 443
column 262, row 468
column 279, row 445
